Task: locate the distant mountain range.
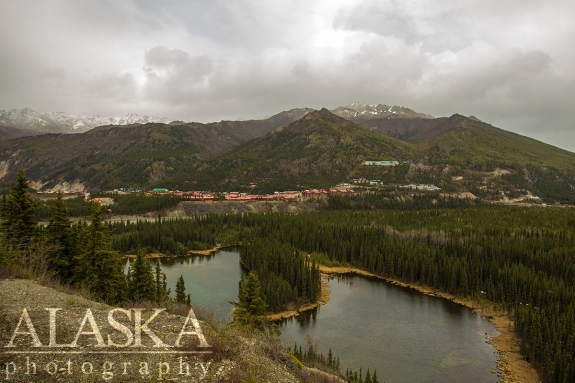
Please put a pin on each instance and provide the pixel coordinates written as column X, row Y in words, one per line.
column 136, row 154
column 456, row 153
column 29, row 120
column 299, row 148
column 318, row 150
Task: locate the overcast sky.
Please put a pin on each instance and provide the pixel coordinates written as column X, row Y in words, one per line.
column 510, row 63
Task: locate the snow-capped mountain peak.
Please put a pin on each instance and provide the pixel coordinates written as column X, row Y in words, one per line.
column 60, row 122
column 359, row 110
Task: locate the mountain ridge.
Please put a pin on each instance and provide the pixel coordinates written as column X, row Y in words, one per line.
column 359, row 111
column 295, row 149
column 110, row 153
column 60, row 122
column 318, row 150
column 8, row 133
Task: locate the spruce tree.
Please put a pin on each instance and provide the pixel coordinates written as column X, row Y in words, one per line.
column 367, row 377
column 250, row 308
column 162, row 292
column 99, row 267
column 18, row 212
column 7, row 255
column 181, row 291
column 141, row 285
column 61, row 236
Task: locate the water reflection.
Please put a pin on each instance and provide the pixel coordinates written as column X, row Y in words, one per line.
column 211, row 280
column 405, row 335
column 368, row 323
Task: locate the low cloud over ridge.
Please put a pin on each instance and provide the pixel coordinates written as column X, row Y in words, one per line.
column 509, row 63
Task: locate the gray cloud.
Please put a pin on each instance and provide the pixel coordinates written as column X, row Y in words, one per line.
column 509, row 63
column 173, row 76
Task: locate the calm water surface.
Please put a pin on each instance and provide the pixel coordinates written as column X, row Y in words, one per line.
column 211, row 280
column 407, row 336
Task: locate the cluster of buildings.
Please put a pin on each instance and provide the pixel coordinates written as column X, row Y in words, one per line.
column 343, row 188
column 285, row 195
column 235, row 196
column 421, row 187
column 106, row 201
column 385, row 163
column 323, row 192
column 360, row 181
column 196, row 196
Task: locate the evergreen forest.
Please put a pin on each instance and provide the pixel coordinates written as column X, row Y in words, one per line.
column 522, row 259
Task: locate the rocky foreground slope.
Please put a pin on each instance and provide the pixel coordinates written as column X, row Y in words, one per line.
column 78, row 346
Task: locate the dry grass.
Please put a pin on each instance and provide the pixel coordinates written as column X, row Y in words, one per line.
column 31, row 263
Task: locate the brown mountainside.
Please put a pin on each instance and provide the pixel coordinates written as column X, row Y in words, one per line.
column 319, row 150
column 132, row 154
column 8, row 133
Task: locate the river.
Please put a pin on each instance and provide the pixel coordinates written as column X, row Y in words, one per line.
column 407, row 336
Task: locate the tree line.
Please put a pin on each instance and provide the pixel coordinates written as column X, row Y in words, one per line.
column 125, row 204
column 78, row 254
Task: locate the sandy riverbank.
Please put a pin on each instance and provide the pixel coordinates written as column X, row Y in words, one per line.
column 147, row 256
column 190, row 252
column 511, row 363
column 323, row 299
column 206, row 251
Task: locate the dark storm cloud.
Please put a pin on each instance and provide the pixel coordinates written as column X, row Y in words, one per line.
column 509, row 63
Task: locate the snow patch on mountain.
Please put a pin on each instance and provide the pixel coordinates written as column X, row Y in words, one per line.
column 359, row 110
column 60, row 122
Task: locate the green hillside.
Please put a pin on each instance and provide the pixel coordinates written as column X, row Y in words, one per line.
column 104, row 156
column 298, row 150
column 136, row 155
column 318, row 150
column 459, row 140
column 473, row 146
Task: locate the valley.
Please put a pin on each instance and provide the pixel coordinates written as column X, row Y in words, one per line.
column 311, row 192
column 452, row 205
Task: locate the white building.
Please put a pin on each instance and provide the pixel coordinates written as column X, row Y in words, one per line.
column 381, row 163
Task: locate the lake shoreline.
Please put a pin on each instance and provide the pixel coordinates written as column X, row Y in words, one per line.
column 322, row 300
column 510, row 362
column 189, row 253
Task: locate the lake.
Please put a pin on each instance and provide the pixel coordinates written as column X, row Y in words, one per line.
column 211, row 280
column 407, row 336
